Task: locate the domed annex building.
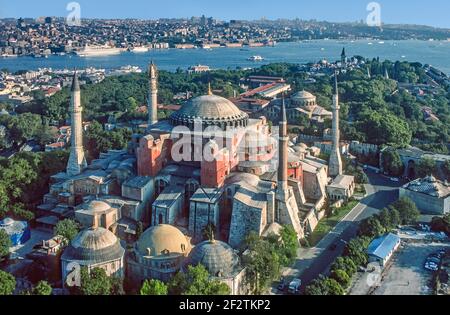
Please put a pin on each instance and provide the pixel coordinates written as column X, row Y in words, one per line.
column 94, row 248
column 158, row 254
column 300, row 103
column 222, row 263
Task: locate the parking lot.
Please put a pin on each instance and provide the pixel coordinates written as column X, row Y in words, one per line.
column 405, row 273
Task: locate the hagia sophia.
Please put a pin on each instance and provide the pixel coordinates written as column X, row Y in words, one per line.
column 209, row 166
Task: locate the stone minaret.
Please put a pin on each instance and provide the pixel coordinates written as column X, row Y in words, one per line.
column 287, row 211
column 77, row 160
column 335, row 165
column 283, row 150
column 153, row 95
column 343, row 57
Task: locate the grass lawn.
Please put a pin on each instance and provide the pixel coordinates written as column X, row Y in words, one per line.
column 327, row 224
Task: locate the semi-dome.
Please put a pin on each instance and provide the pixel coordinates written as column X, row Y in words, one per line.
column 218, row 258
column 94, row 245
column 163, row 239
column 211, row 110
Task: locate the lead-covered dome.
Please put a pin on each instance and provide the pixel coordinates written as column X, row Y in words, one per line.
column 211, row 110
column 303, row 98
column 98, row 206
column 94, row 245
column 218, row 258
column 163, row 239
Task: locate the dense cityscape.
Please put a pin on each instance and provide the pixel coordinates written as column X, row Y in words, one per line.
column 50, row 35
column 296, row 179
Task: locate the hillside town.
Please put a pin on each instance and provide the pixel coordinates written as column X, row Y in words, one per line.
column 52, row 35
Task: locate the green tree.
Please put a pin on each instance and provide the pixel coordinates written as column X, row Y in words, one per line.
column 95, row 282
column 346, row 264
column 289, row 245
column 384, row 217
column 7, row 283
column 371, row 227
column 154, row 287
column 426, row 167
column 383, row 127
column 439, row 224
column 392, row 162
column 117, row 286
column 356, row 250
column 42, row 288
column 407, row 209
column 341, row 277
column 394, row 216
column 262, row 261
column 67, row 228
column 324, row 286
column 5, row 244
column 197, row 281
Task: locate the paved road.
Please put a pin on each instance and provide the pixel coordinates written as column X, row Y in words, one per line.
column 315, row 261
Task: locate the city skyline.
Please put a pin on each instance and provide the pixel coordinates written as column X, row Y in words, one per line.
column 323, row 10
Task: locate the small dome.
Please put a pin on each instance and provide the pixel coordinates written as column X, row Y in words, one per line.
column 94, row 245
column 304, row 95
column 98, row 206
column 94, row 239
column 218, row 258
column 211, row 110
column 163, row 239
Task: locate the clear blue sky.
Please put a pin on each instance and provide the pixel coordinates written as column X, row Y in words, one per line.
column 427, row 12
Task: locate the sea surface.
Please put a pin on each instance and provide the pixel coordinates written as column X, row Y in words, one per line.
column 436, row 53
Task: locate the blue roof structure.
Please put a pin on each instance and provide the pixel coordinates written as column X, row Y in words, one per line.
column 18, row 231
column 382, row 246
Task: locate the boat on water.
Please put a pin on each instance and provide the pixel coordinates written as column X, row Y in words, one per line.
column 255, row 58
column 381, row 42
column 126, row 70
column 140, row 49
column 98, row 51
column 8, row 56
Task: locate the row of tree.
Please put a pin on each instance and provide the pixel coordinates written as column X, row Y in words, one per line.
column 393, row 165
column 401, row 212
column 8, row 286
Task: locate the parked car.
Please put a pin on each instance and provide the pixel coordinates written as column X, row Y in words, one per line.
column 282, row 285
column 394, row 179
column 431, row 266
column 294, row 286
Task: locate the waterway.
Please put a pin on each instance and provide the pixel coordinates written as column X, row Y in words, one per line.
column 436, row 53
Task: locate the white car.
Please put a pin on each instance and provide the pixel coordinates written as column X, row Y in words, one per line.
column 294, row 286
column 394, row 179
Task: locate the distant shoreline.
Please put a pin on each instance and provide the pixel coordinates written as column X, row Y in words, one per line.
column 435, row 53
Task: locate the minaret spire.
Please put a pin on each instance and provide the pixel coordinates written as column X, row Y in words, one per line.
column 335, row 164
column 209, row 89
column 77, row 160
column 283, row 149
column 153, row 95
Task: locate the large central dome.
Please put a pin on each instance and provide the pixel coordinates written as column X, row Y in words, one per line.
column 209, row 110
